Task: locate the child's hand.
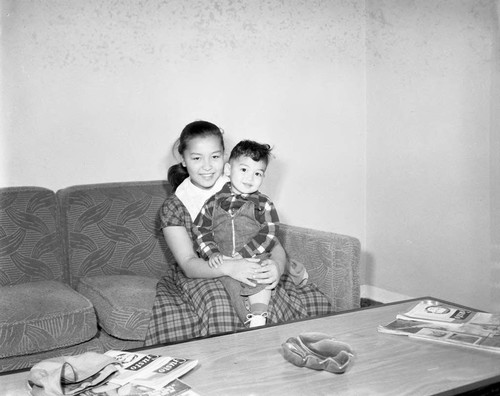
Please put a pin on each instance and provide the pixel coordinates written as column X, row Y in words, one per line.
column 215, row 260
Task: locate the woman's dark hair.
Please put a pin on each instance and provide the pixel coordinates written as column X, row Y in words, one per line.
column 253, row 150
column 178, row 173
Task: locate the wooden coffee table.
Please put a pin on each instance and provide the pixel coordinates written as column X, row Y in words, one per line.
column 251, row 362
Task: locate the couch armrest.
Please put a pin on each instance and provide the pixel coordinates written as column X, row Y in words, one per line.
column 332, row 261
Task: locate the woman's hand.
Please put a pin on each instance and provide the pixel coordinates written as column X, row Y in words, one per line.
column 269, row 273
column 248, row 271
column 252, row 271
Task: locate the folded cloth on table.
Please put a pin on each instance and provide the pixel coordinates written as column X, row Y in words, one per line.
column 70, row 375
column 318, row 351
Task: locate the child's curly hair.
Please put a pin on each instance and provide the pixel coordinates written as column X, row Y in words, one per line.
column 253, row 150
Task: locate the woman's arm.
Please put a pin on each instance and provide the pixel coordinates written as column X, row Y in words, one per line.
column 181, row 246
column 278, row 255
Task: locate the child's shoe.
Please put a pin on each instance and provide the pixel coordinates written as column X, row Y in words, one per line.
column 256, row 320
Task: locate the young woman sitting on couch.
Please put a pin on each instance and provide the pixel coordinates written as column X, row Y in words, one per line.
column 190, row 300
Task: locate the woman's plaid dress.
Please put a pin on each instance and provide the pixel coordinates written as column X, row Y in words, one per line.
column 187, row 308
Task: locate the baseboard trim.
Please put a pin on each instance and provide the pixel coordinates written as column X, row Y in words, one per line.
column 381, row 295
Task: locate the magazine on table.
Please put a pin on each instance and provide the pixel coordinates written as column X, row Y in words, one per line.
column 437, row 312
column 147, row 375
column 152, row 371
column 454, row 325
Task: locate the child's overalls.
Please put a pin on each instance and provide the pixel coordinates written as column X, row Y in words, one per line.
column 232, row 230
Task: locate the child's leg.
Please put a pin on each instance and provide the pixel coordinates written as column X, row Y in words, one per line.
column 233, row 288
column 259, row 303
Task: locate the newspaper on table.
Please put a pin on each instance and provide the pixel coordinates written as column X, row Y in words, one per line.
column 149, row 370
column 440, row 322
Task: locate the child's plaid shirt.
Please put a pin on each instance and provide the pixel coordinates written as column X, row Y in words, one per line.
column 265, row 214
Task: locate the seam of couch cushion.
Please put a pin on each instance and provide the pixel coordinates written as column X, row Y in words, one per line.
column 62, row 342
column 89, row 309
column 22, row 360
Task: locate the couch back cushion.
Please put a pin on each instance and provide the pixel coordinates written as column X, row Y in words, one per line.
column 30, row 245
column 114, row 228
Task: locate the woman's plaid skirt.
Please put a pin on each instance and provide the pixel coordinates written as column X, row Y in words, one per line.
column 188, row 308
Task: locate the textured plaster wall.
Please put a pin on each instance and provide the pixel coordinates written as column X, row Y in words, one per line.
column 98, row 91
column 431, row 117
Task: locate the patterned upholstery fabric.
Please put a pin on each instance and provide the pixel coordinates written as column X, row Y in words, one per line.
column 116, row 250
column 38, row 312
column 313, row 248
column 109, row 342
column 42, row 316
column 30, row 246
column 23, row 361
column 113, row 229
column 122, row 302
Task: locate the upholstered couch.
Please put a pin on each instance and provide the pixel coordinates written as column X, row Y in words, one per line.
column 78, row 267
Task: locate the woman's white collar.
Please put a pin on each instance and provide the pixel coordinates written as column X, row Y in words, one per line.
column 194, row 197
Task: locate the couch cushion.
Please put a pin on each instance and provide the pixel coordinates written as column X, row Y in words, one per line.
column 123, row 303
column 41, row 316
column 114, row 229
